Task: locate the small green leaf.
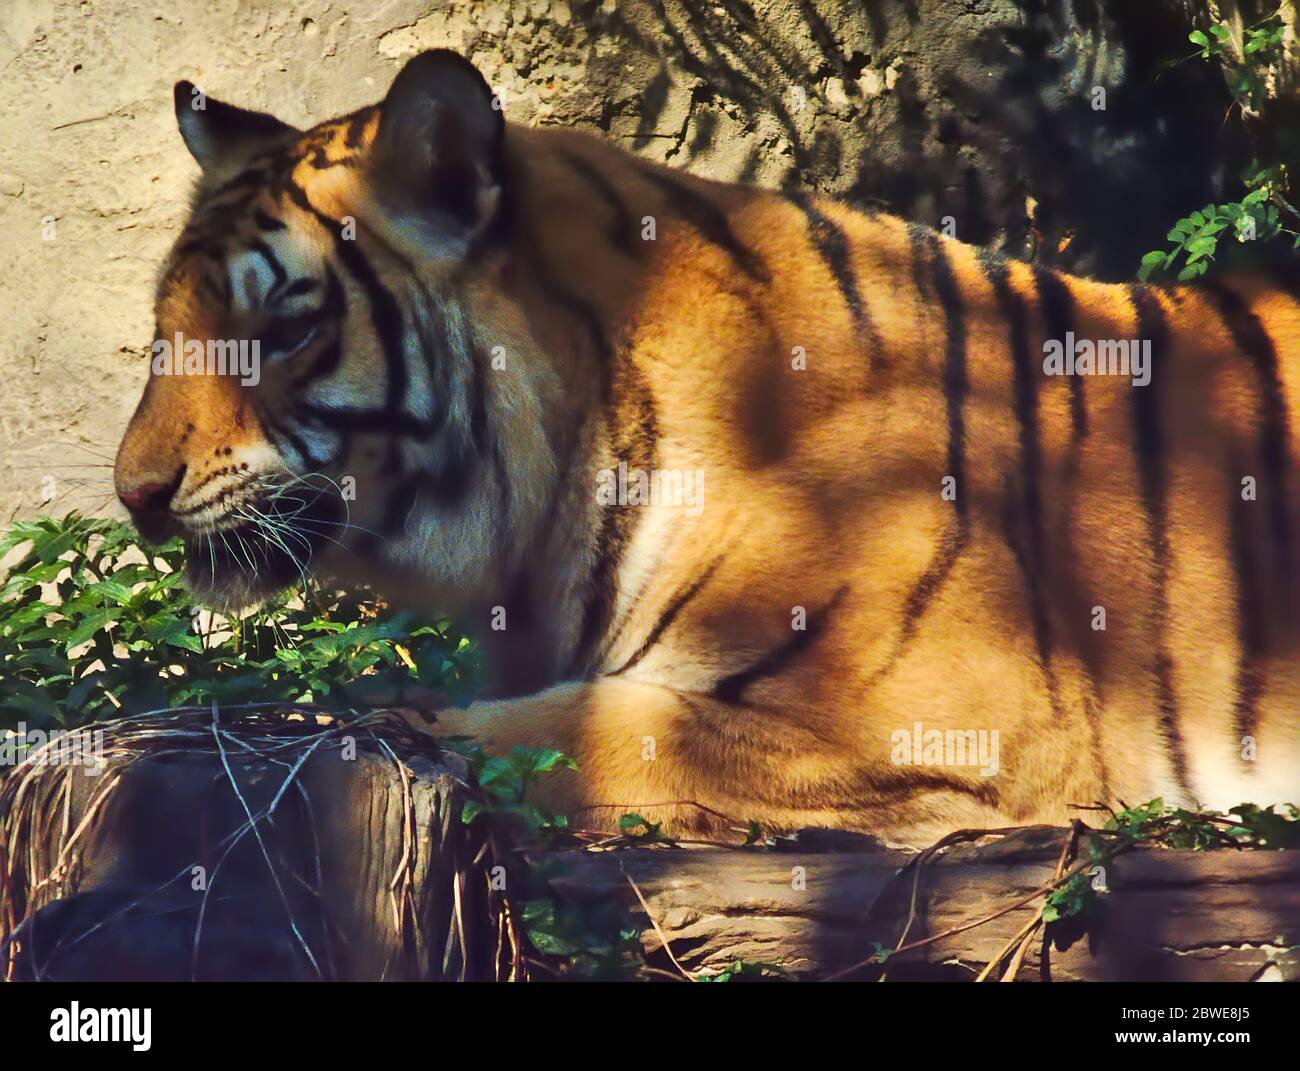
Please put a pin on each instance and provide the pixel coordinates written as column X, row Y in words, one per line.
column 629, row 822
column 88, row 626
column 495, row 770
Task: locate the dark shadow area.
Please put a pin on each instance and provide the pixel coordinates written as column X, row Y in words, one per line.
column 1055, row 130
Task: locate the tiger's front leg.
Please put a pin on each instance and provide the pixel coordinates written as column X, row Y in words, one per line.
column 689, row 761
column 700, row 764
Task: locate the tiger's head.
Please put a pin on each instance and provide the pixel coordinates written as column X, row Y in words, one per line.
column 317, row 380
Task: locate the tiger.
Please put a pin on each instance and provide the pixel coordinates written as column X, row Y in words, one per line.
column 764, row 507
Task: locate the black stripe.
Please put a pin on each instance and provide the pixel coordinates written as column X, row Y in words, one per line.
column 1252, row 338
column 217, row 285
column 707, row 218
column 951, row 545
column 1250, row 613
column 731, row 689
column 433, row 335
column 1014, row 525
column 199, row 245
column 543, row 278
column 601, row 590
column 955, row 385
column 221, row 216
column 1058, row 315
column 343, row 454
column 385, row 313
column 478, row 411
column 446, row 358
column 333, row 308
column 1272, row 452
column 267, row 222
column 635, row 440
column 1025, row 405
column 1151, row 462
column 831, row 245
column 454, row 366
column 357, row 129
column 910, row 783
column 503, row 486
column 927, row 251
column 298, row 287
column 276, row 431
column 674, row 607
column 623, row 230
column 1029, row 551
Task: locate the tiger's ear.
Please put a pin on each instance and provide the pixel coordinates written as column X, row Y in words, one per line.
column 437, row 152
column 221, row 136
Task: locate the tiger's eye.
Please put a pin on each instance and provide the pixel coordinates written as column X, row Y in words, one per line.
column 286, row 337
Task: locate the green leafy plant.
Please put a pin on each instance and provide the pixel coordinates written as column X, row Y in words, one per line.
column 1076, row 896
column 1195, row 238
column 748, row 971
column 1212, row 44
column 1152, row 824
column 1244, row 826
column 505, row 781
column 1261, row 47
column 92, row 624
column 639, row 830
column 576, row 941
column 1264, row 209
column 590, row 942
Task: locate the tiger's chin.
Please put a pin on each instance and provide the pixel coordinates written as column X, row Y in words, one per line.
column 223, row 579
column 236, row 568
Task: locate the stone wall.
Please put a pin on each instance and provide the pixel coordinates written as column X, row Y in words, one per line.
column 1038, row 125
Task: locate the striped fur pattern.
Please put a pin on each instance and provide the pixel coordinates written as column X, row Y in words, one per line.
column 480, row 349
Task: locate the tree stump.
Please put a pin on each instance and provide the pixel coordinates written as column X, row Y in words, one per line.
column 250, row 845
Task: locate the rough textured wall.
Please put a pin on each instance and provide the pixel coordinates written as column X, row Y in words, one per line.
column 982, row 110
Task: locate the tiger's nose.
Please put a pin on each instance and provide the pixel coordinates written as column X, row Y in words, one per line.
column 149, row 502
column 147, row 498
